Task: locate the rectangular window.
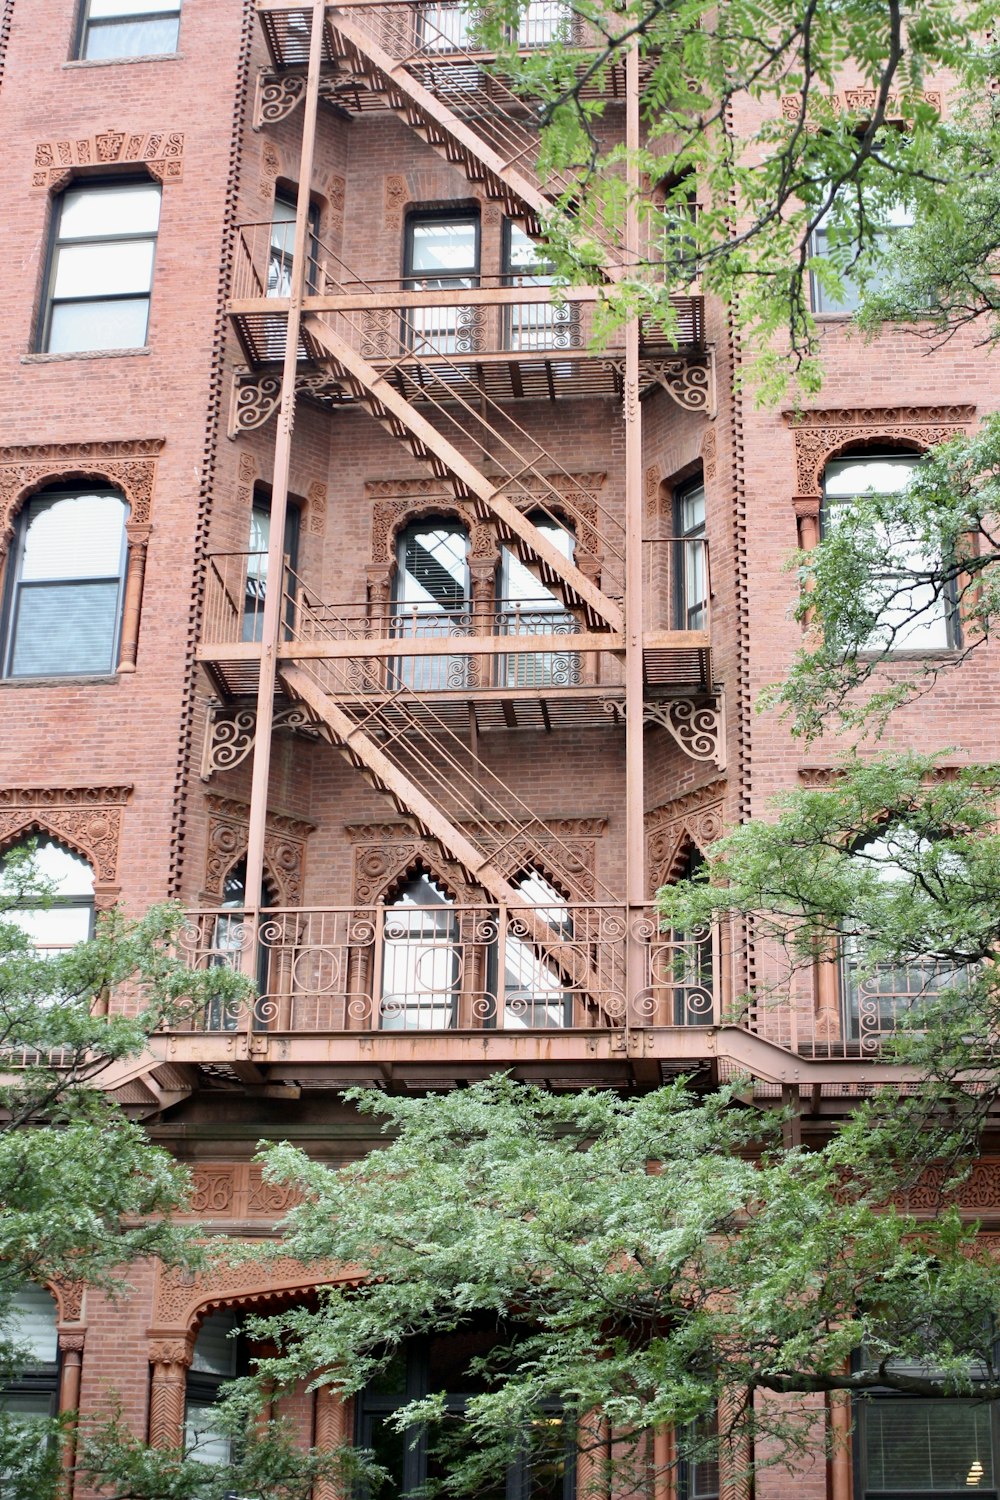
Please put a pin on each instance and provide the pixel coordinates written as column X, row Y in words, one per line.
column 442, row 253
column 534, row 325
column 825, row 239
column 129, row 28
column 691, row 562
column 914, row 1446
column 545, row 22
column 282, row 248
column 101, row 268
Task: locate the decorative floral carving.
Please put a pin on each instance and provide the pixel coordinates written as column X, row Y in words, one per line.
column 270, row 170
column 336, row 193
column 316, row 497
column 129, row 466
column 395, row 200
column 860, row 100
column 709, row 453
column 161, row 152
column 284, row 848
column 87, row 819
column 181, row 1296
column 69, row 1297
column 819, row 435
column 696, row 818
column 979, row 1194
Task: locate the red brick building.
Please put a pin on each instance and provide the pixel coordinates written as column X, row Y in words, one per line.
column 426, row 788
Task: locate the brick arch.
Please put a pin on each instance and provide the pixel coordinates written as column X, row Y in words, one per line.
column 86, row 820
column 183, row 1300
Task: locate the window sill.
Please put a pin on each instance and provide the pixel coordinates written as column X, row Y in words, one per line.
column 110, row 62
column 52, row 359
column 937, row 653
column 82, row 679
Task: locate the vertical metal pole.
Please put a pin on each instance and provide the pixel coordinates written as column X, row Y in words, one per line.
column 635, row 872
column 273, row 598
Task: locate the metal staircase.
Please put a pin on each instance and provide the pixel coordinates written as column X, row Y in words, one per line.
column 440, row 91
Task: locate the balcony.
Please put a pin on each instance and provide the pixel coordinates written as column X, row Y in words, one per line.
column 502, row 337
column 519, row 663
column 429, row 995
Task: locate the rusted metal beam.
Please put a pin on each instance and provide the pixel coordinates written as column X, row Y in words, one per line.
column 393, row 646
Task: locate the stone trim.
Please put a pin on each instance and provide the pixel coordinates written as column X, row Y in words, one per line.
column 86, row 819
column 694, row 819
column 129, row 466
column 160, row 152
column 820, row 435
column 284, row 848
column 182, row 1297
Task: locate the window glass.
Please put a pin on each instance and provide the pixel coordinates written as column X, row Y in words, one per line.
column 825, row 237
column 431, row 599
column 529, row 608
column 544, row 21
column 925, row 1447
column 129, row 28
column 878, row 999
column 215, row 1359
column 914, row 620
column 534, row 325
column 534, row 990
column 443, row 27
column 64, row 604
column 420, row 965
column 70, row 917
column 441, row 254
column 101, row 268
column 691, row 565
column 32, row 1324
column 281, row 256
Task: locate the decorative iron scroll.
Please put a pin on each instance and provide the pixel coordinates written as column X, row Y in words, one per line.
column 696, row 726
column 230, row 734
column 256, row 398
column 279, row 94
column 688, row 381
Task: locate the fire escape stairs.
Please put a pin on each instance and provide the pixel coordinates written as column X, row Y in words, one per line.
column 506, row 173
column 390, row 767
column 489, row 499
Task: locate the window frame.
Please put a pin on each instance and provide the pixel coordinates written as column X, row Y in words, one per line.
column 882, row 238
column 10, row 594
column 863, row 1405
column 418, row 330
column 85, row 23
column 683, row 610
column 49, row 302
column 41, row 1379
column 950, row 612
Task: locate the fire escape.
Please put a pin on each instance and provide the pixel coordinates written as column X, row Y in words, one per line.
column 405, row 703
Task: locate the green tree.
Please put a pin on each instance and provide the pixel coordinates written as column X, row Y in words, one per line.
column 84, row 1191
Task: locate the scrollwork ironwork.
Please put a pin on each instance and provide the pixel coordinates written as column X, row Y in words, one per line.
column 698, row 728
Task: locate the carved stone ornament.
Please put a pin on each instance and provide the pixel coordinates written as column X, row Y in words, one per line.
column 395, row 194
column 160, row 151
column 183, row 1296
column 69, row 1298
column 237, row 1190
column 284, row 848
column 697, row 726
column 693, row 820
column 230, row 734
column 85, row 819
column 709, row 453
column 270, row 171
column 400, row 502
column 820, row 435
column 854, row 101
column 978, row 1196
column 128, row 466
column 384, row 852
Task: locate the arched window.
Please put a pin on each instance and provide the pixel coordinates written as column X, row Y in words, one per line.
column 534, row 986
column 33, row 1389
column 915, row 616
column 230, row 939
column 878, row 997
column 431, row 600
column 63, row 603
column 420, row 959
column 69, row 917
column 527, row 607
column 217, row 1357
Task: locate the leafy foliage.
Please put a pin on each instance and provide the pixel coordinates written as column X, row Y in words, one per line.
column 83, row 1190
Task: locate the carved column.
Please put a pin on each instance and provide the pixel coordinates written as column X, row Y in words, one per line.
column 138, row 543
column 482, row 579
column 332, row 1425
column 170, row 1359
column 807, row 509
column 379, row 621
column 70, row 1373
